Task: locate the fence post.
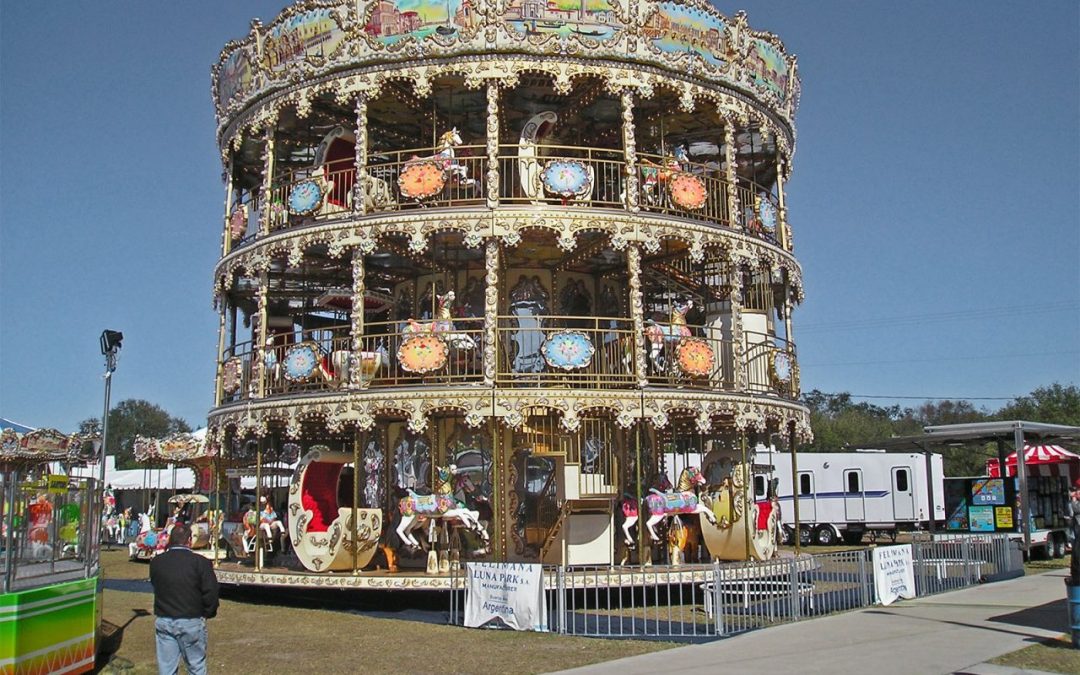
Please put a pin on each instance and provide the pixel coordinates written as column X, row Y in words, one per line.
column 865, row 599
column 560, row 598
column 966, row 549
column 796, row 589
column 718, row 610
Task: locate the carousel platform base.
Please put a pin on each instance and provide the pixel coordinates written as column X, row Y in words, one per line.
column 245, row 575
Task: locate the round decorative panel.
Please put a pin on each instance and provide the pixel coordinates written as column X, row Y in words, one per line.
column 687, row 191
column 238, row 222
column 695, row 357
column 780, row 367
column 568, row 350
column 422, row 354
column 566, row 178
column 301, row 362
column 230, row 375
column 767, row 214
column 306, row 197
column 420, row 180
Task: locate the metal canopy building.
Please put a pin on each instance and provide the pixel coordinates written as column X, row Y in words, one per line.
column 1018, row 431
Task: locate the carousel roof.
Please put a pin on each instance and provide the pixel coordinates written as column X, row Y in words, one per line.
column 186, row 448
column 357, row 39
column 46, row 445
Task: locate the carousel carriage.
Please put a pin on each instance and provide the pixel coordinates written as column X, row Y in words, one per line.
column 326, row 534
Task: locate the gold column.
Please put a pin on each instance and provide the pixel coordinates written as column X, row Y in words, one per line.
column 734, row 218
column 259, row 366
column 630, row 151
column 492, row 145
column 491, row 310
column 795, row 483
column 357, row 442
column 226, row 239
column 268, row 181
column 793, row 385
column 357, row 328
column 218, row 392
column 633, row 256
column 738, row 349
column 782, row 230
column 360, row 186
column 258, row 503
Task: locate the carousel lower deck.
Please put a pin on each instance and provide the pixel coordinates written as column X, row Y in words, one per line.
column 245, row 574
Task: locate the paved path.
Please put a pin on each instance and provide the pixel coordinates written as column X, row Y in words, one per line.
column 949, row 633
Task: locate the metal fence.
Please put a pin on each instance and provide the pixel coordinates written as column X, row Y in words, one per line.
column 700, row 602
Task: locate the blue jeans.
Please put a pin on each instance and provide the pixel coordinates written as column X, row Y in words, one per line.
column 180, row 638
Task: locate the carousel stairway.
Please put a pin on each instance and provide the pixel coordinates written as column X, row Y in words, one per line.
column 585, row 508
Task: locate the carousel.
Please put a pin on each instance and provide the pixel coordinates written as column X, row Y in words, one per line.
column 516, row 279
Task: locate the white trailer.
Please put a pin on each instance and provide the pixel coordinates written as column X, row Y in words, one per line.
column 844, row 495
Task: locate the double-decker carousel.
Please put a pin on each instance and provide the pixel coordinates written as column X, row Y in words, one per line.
column 517, row 277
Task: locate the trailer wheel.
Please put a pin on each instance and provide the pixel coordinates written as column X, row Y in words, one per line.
column 805, row 536
column 1058, row 547
column 787, row 535
column 825, row 535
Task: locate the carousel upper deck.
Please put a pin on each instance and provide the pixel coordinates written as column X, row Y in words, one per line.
column 489, row 207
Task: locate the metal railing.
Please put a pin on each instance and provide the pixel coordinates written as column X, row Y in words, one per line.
column 50, row 529
column 521, row 360
column 689, row 602
column 462, row 183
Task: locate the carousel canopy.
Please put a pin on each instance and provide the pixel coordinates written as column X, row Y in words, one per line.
column 46, row 445
column 187, row 448
column 1039, row 456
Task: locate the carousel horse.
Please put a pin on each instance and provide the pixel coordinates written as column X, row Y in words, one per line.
column 684, row 540
column 442, row 325
column 683, row 500
column 666, row 336
column 148, row 542
column 417, row 510
column 445, row 158
column 631, row 511
column 655, row 177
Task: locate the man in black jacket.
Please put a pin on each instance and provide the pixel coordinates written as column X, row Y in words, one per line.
column 185, row 596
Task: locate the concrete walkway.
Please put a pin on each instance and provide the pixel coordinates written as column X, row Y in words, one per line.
column 949, row 633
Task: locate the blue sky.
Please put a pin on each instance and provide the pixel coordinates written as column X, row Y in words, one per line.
column 935, row 198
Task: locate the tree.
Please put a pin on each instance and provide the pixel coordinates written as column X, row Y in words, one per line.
column 1055, row 404
column 132, row 418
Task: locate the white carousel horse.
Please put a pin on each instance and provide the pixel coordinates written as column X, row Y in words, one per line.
column 447, row 142
column 416, row 510
column 661, row 336
column 529, row 167
column 148, row 541
column 442, row 325
column 663, row 505
column 631, row 511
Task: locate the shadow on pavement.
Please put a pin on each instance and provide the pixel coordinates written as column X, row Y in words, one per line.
column 1049, row 616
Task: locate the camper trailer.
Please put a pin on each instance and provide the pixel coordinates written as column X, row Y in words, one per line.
column 844, row 495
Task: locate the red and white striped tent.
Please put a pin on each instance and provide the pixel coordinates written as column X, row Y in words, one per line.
column 1040, row 460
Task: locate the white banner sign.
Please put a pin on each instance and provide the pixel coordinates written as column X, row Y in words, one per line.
column 511, row 593
column 894, row 573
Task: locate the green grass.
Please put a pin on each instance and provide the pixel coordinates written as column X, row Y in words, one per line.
column 1052, row 656
column 269, row 638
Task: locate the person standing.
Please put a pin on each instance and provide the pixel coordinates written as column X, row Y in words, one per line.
column 185, row 596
